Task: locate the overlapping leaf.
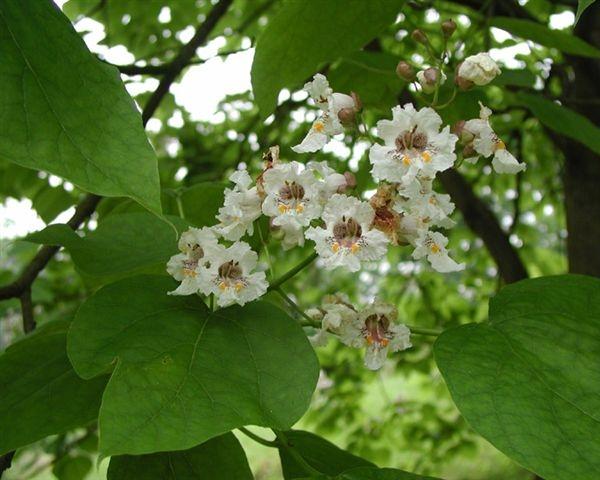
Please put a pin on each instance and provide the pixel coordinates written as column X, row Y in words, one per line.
column 183, row 374
column 529, row 380
column 219, row 458
column 40, row 394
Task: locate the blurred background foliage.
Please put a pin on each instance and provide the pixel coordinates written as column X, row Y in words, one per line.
column 401, row 416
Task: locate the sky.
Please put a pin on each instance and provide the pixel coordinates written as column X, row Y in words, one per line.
column 198, row 92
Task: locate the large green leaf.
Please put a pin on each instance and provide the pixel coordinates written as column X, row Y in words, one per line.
column 123, row 244
column 304, row 34
column 201, row 203
column 562, row 120
column 319, row 453
column 64, row 111
column 220, row 458
column 373, row 473
column 40, row 394
column 566, row 42
column 581, row 7
column 528, row 380
column 184, row 374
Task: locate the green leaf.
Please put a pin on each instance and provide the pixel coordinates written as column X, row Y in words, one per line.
column 221, row 457
column 184, row 374
column 566, row 42
column 373, row 473
column 315, row 32
column 379, row 85
column 201, row 203
column 50, row 201
column 562, row 120
column 528, row 379
column 66, row 112
column 40, row 394
column 519, row 78
column 123, row 244
column 72, row 468
column 319, row 453
column 583, row 4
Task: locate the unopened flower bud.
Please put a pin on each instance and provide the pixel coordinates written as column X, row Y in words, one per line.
column 430, row 78
column 469, row 151
column 357, row 101
column 478, row 69
column 448, row 28
column 347, row 116
column 462, row 82
column 419, row 36
column 464, row 135
column 405, row 71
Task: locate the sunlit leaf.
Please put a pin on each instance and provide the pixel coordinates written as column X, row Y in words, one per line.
column 64, row 111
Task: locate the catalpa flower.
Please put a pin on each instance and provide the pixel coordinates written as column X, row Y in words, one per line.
column 240, row 208
column 376, row 329
column 330, row 181
column 430, row 208
column 335, row 310
column 196, row 246
column 477, row 69
column 484, row 141
column 348, row 238
column 292, row 199
column 433, row 246
column 414, row 146
column 335, row 108
column 231, row 276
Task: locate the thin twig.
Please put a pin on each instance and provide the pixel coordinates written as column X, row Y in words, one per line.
column 291, row 273
column 27, row 311
column 259, row 439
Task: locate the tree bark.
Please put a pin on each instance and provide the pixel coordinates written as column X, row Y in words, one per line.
column 582, row 166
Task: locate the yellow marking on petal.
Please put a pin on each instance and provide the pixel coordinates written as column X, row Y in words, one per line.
column 500, row 145
column 369, row 339
column 188, row 272
column 355, row 248
column 239, row 286
column 283, row 208
column 433, row 200
column 223, row 286
column 426, row 156
column 318, row 127
column 434, row 248
column 299, row 208
column 406, row 160
column 384, row 342
column 335, row 247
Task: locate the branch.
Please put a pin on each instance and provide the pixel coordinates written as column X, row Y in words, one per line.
column 483, row 222
column 6, row 461
column 185, row 55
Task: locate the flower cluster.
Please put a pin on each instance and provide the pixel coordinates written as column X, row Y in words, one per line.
column 310, row 200
column 374, row 327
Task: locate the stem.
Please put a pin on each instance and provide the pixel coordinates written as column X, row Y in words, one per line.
column 266, row 247
column 180, row 206
column 308, row 322
column 258, row 439
column 432, row 332
column 291, row 273
column 284, row 442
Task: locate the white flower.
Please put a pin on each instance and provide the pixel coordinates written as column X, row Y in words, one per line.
column 433, row 246
column 335, row 311
column 197, row 245
column 414, row 146
column 485, row 142
column 328, row 124
column 428, row 207
column 330, row 180
column 292, row 199
column 376, row 329
column 479, row 69
column 240, row 208
column 347, row 238
column 231, row 277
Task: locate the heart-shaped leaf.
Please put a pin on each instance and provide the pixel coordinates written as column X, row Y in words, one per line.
column 184, row 374
column 528, row 380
